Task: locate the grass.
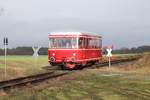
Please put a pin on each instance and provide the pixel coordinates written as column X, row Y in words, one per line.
column 94, row 86
column 119, row 56
column 18, row 66
column 22, row 65
column 115, row 83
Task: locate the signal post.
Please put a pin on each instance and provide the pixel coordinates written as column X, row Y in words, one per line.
column 5, row 49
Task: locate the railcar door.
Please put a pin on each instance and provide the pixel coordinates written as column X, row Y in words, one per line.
column 80, row 48
column 85, row 44
column 84, row 51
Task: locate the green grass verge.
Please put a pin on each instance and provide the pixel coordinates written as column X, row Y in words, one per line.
column 92, row 87
column 22, row 65
column 99, row 85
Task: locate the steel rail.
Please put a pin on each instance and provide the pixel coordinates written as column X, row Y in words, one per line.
column 119, row 61
column 22, row 81
column 29, row 79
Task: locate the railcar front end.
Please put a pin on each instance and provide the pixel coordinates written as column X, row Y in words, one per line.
column 73, row 50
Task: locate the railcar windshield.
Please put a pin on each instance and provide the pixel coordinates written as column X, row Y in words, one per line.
column 62, row 42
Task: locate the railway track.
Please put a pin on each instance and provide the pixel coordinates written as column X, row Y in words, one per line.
column 132, row 58
column 105, row 63
column 113, row 62
column 22, row 81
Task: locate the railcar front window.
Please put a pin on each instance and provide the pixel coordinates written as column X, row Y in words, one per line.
column 62, row 43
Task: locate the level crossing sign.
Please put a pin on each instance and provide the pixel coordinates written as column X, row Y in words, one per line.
column 5, row 48
column 109, row 54
column 5, row 41
column 109, row 50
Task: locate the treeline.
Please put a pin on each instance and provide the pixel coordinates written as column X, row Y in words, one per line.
column 139, row 49
column 24, row 51
column 44, row 50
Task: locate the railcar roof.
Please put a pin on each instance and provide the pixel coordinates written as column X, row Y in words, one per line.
column 74, row 33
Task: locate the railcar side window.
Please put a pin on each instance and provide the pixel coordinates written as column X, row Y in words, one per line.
column 91, row 43
column 80, row 41
column 74, row 43
column 95, row 43
column 85, row 42
column 100, row 43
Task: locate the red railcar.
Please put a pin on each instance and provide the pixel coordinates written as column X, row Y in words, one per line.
column 73, row 49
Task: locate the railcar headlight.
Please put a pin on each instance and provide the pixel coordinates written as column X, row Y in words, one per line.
column 53, row 54
column 74, row 54
column 73, row 59
column 52, row 59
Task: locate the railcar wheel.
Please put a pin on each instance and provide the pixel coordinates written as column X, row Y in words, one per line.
column 52, row 64
column 63, row 67
column 84, row 64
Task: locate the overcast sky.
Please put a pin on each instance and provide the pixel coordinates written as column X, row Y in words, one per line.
column 123, row 23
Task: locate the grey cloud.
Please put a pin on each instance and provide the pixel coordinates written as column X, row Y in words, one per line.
column 1, row 11
column 124, row 23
